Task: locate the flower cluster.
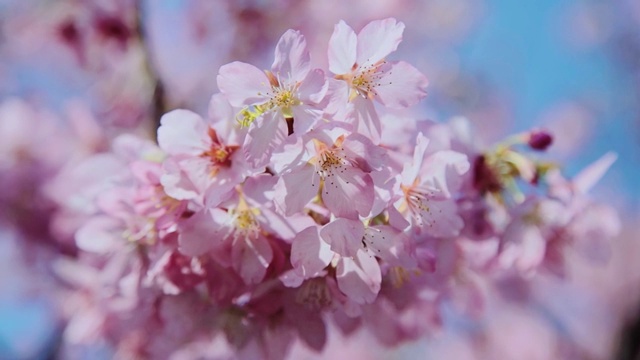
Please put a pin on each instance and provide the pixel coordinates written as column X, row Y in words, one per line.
column 306, row 198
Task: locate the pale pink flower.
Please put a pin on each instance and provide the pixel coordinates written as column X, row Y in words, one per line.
column 203, row 155
column 359, row 60
column 291, row 91
column 334, row 162
column 588, row 227
column 352, row 249
column 524, row 241
column 358, row 276
column 130, row 205
column 542, row 230
column 240, row 232
column 136, row 215
column 428, row 184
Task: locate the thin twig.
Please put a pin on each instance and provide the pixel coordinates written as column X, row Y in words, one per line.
column 159, row 100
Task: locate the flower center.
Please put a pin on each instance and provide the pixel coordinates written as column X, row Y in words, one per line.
column 246, row 224
column 282, row 95
column 219, row 155
column 141, row 231
column 417, row 199
column 283, row 98
column 366, row 80
column 329, row 164
column 244, row 221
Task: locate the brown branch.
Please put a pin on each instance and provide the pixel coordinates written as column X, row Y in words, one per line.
column 159, row 103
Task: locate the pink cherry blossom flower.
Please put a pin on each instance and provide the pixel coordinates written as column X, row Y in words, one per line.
column 200, row 156
column 335, row 163
column 360, row 62
column 290, row 92
column 130, row 205
column 240, row 232
column 427, row 185
column 358, row 276
column 524, row 241
column 347, row 237
column 352, row 249
column 137, row 216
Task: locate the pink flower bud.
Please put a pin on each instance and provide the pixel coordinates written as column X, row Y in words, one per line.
column 540, row 140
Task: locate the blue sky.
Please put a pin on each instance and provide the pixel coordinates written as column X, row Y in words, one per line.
column 523, row 49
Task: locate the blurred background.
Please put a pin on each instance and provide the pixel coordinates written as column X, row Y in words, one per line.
column 92, row 69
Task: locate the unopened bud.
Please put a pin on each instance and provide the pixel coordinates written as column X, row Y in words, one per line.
column 540, row 140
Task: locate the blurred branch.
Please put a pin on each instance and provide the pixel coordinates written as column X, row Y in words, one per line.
column 158, row 101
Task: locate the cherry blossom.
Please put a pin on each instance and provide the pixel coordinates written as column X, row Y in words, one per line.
column 201, row 154
column 427, row 194
column 333, row 163
column 359, row 61
column 289, row 92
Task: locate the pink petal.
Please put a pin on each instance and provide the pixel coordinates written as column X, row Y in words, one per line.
column 100, row 235
column 443, row 171
column 116, row 202
column 284, row 227
column 258, row 189
column 221, row 114
column 219, row 192
column 89, row 180
column 182, row 132
column 305, row 117
column 203, row 232
column 441, row 219
column 146, row 172
column 290, row 155
column 387, row 243
column 291, row 278
column 185, row 178
column 401, row 85
column 378, row 39
column 396, row 219
column 522, row 244
column 589, row 176
column 410, row 170
column 292, row 60
column 359, row 278
column 593, row 230
column 265, row 134
column 132, row 147
column 386, row 188
column 294, row 190
column 364, row 153
column 309, row 254
column 345, row 236
column 531, row 249
column 337, row 98
column 311, row 328
column 243, row 84
column 366, row 119
column 342, row 49
column 251, row 258
column 313, row 88
column 348, row 193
